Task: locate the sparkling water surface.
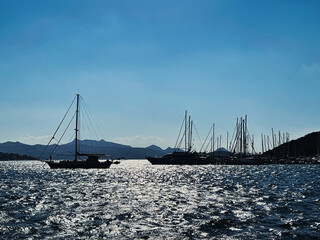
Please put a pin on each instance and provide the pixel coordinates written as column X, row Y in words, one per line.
column 135, row 200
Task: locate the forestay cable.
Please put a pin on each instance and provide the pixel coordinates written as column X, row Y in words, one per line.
column 58, row 127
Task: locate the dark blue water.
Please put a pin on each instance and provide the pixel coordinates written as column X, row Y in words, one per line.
column 135, row 200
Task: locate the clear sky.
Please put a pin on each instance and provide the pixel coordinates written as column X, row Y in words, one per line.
column 140, row 64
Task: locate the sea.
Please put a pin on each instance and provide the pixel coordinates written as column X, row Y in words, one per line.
column 136, row 200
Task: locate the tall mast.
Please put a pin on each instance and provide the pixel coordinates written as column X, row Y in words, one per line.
column 189, row 133
column 252, row 144
column 190, row 145
column 272, row 139
column 213, row 139
column 237, row 138
column 245, row 135
column 266, row 143
column 227, row 141
column 279, row 139
column 185, row 132
column 76, row 140
column 241, row 139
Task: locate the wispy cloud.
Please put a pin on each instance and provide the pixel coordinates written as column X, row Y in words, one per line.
column 34, row 139
column 141, row 141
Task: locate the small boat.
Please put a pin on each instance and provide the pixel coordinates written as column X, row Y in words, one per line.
column 92, row 160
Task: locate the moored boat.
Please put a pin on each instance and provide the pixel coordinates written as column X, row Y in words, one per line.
column 92, row 160
column 180, row 157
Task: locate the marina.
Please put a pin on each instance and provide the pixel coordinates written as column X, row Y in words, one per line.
column 242, row 149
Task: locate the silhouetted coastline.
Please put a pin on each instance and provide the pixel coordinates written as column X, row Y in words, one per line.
column 304, row 150
column 14, row 156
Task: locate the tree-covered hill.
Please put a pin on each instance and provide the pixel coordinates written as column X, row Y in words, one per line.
column 14, row 156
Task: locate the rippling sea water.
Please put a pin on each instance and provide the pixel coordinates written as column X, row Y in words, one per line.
column 135, row 200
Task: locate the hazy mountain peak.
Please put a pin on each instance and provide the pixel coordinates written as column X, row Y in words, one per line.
column 222, row 149
column 154, row 147
column 86, row 146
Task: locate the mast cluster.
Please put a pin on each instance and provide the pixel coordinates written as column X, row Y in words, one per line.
column 273, row 141
column 187, row 135
column 241, row 141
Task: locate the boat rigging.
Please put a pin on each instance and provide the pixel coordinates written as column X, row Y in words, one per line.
column 92, row 160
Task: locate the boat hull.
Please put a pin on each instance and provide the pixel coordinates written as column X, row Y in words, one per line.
column 186, row 158
column 160, row 161
column 180, row 158
column 78, row 164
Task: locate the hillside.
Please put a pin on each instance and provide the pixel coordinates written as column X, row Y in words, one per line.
column 14, row 156
column 66, row 151
column 309, row 145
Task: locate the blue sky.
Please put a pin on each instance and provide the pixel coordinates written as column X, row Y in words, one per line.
column 140, row 64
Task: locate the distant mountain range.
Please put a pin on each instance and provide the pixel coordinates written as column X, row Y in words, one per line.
column 66, row 151
column 308, row 145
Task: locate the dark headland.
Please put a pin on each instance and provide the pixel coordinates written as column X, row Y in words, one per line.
column 14, row 156
column 302, row 150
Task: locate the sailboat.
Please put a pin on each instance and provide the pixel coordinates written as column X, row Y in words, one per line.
column 92, row 160
column 180, row 157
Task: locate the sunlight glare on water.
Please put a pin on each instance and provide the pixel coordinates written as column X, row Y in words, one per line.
column 137, row 200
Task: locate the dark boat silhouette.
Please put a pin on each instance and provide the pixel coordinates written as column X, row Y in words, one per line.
column 219, row 157
column 180, row 157
column 92, row 160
